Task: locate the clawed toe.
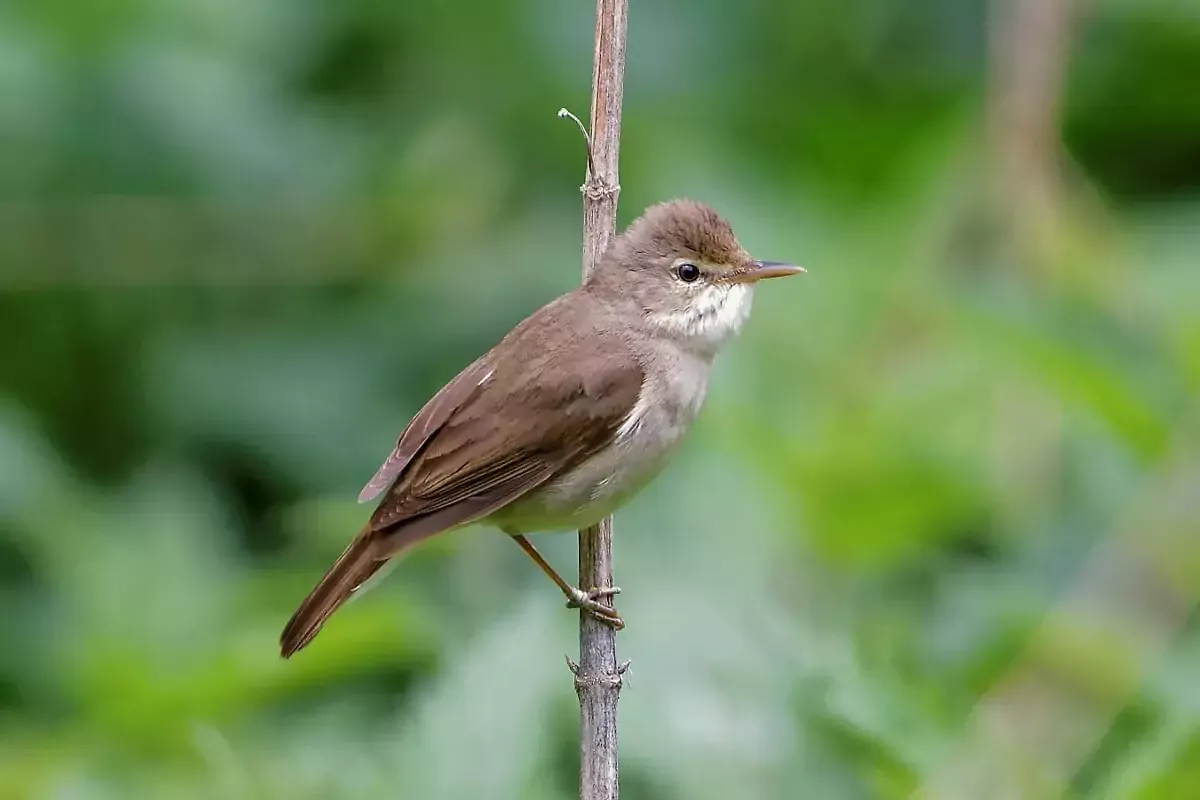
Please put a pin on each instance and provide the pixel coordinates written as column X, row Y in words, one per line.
column 587, row 601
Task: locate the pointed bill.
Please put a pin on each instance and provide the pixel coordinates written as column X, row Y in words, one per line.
column 761, row 270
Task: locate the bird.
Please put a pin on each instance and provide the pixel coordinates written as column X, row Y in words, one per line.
column 569, row 415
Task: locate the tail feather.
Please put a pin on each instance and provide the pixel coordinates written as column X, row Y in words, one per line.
column 353, row 568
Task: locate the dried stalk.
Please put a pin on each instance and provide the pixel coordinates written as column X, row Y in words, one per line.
column 1030, row 47
column 598, row 674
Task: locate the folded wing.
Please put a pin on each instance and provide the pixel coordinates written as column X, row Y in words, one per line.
column 500, row 429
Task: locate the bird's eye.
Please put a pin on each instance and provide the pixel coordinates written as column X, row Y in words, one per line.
column 688, row 273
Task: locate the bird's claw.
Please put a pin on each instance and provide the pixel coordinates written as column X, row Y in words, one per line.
column 588, row 601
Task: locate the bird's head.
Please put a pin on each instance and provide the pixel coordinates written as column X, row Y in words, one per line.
column 682, row 266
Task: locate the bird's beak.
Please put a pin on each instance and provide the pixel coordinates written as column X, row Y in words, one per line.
column 758, row 270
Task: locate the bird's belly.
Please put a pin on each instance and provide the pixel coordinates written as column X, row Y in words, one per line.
column 598, row 486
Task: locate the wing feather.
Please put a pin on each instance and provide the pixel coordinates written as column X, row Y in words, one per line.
column 555, row 393
column 427, row 421
column 495, row 448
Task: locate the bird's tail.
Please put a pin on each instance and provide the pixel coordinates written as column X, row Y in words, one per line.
column 353, row 568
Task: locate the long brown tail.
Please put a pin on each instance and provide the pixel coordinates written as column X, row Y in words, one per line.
column 350, row 571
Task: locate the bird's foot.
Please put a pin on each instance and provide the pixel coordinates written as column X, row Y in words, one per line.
column 589, row 602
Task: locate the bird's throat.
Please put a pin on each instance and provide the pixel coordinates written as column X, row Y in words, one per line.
column 714, row 316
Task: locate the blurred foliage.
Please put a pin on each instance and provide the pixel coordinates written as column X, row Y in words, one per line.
column 240, row 243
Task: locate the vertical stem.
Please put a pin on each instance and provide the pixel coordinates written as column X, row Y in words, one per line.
column 1030, row 47
column 598, row 676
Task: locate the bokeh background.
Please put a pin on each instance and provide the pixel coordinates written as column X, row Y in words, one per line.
column 936, row 534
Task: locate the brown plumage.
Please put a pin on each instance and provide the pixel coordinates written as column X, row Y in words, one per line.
column 354, row 567
column 527, row 411
column 570, row 414
column 679, row 229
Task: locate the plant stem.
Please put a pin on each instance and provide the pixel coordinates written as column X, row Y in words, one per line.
column 598, row 675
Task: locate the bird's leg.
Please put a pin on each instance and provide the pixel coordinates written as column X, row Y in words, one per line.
column 576, row 598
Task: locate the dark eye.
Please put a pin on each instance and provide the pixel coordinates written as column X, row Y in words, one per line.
column 688, row 272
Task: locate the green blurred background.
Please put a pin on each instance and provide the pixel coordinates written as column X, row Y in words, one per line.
column 937, row 533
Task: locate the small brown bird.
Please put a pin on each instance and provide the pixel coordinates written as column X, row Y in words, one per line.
column 571, row 414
